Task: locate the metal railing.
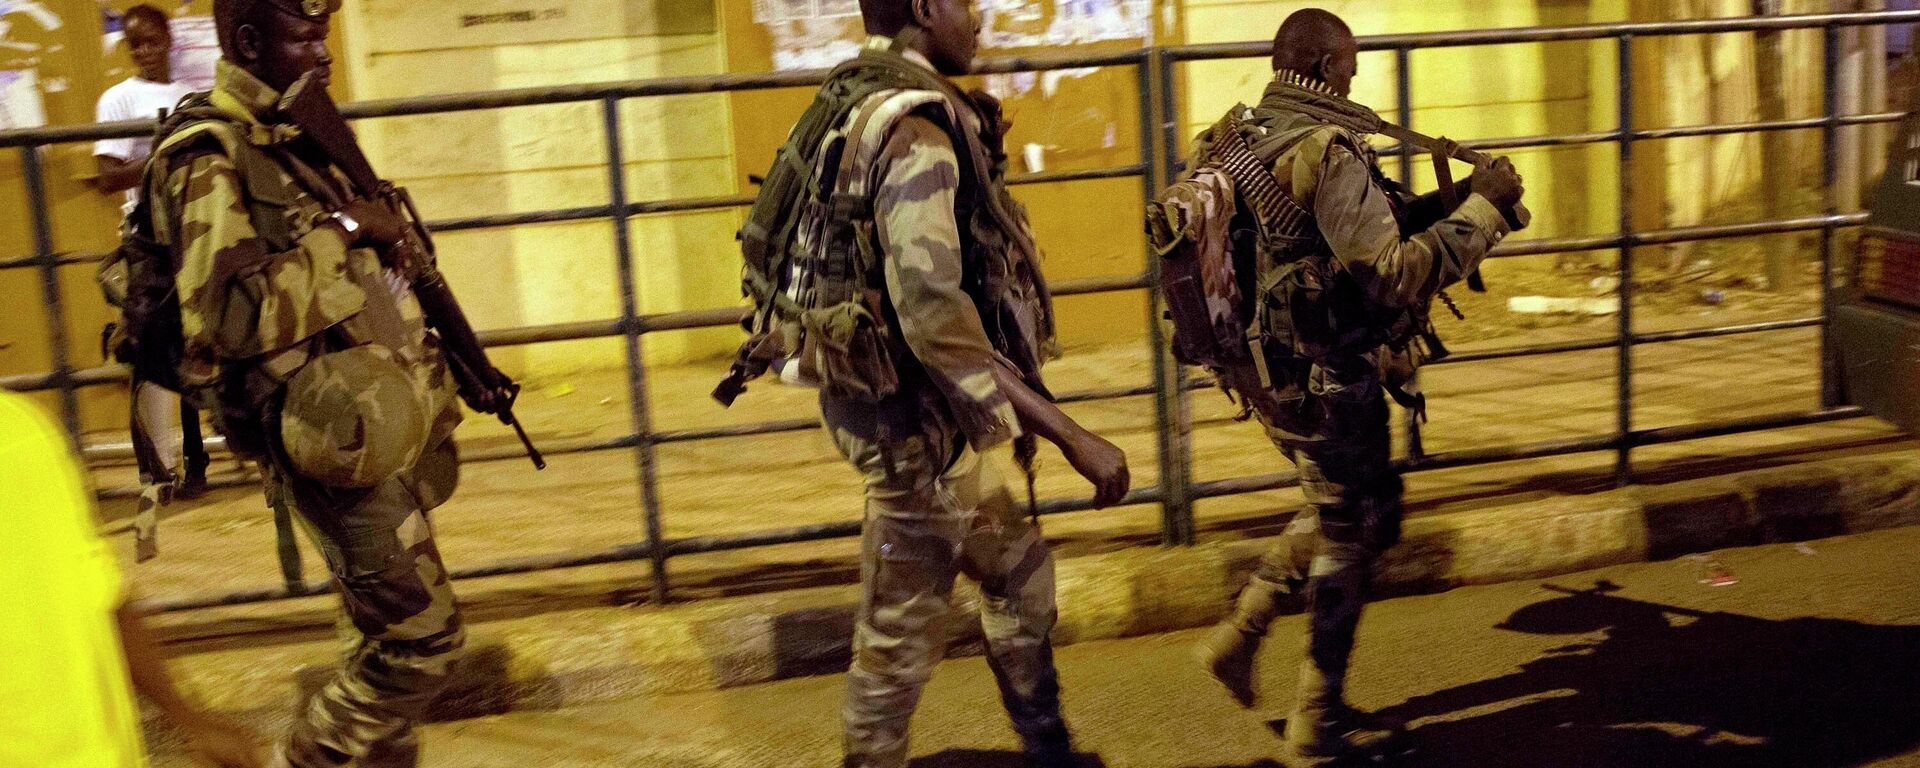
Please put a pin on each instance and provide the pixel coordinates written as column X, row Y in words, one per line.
column 1175, row 491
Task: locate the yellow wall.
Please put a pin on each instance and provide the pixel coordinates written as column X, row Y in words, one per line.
column 1463, row 93
column 532, row 158
column 84, row 220
column 523, row 159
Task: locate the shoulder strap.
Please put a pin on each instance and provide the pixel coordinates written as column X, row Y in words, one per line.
column 265, row 189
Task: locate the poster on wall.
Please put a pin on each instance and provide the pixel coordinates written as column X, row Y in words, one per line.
column 812, row 34
column 29, row 37
column 195, row 46
column 195, row 49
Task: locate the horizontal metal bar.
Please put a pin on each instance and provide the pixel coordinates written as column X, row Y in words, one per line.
column 721, row 317
column 564, row 94
column 1512, row 35
column 689, row 204
column 1533, row 350
column 491, row 221
column 1760, row 423
column 59, row 260
column 1727, row 330
column 1543, row 246
column 680, row 86
column 538, row 334
column 1207, row 489
column 1587, row 345
column 1055, row 177
column 1644, row 134
column 735, row 430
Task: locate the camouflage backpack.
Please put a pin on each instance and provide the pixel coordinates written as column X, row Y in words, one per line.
column 812, row 267
column 1213, row 229
column 137, row 278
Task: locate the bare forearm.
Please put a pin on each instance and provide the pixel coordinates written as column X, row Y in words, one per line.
column 147, row 666
column 115, row 174
column 1038, row 415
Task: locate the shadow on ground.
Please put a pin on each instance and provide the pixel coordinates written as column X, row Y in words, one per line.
column 990, row 758
column 1645, row 684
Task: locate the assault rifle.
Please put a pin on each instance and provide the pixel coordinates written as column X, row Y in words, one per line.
column 482, row 386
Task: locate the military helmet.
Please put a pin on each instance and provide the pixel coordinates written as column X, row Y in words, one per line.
column 353, row 418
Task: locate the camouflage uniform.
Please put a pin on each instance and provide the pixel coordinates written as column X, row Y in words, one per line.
column 1333, row 421
column 259, row 318
column 935, row 505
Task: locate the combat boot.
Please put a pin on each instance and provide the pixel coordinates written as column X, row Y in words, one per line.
column 193, row 484
column 1323, row 731
column 1230, row 649
column 1050, row 750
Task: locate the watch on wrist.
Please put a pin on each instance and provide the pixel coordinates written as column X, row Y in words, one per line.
column 348, row 223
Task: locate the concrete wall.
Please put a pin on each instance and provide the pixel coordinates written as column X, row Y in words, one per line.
column 531, row 158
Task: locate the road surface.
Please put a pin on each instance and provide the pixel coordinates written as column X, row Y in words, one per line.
column 1810, row 660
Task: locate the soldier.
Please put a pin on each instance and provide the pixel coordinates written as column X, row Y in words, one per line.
column 1389, row 254
column 915, row 285
column 301, row 334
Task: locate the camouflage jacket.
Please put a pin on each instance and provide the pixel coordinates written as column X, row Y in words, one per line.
column 917, row 184
column 1399, row 250
column 256, row 306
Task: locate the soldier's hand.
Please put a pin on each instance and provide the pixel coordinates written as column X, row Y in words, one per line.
column 1499, row 182
column 1103, row 464
column 496, row 393
column 223, row 744
column 380, row 227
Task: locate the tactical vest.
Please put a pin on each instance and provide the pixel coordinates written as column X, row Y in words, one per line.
column 308, row 295
column 1309, row 327
column 813, row 262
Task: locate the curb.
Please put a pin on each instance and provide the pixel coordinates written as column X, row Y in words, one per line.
column 605, row 654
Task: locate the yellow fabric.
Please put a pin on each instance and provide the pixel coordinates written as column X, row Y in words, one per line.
column 66, row 700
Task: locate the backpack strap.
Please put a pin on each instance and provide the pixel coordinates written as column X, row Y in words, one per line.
column 265, row 188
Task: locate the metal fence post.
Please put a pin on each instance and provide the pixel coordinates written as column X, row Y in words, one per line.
column 50, row 289
column 1172, row 425
column 1829, row 173
column 1403, row 97
column 636, row 363
column 1623, row 463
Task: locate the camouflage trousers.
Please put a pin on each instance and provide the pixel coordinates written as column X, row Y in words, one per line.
column 935, row 509
column 1353, row 514
column 402, row 625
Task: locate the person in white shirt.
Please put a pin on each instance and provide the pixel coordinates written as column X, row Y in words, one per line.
column 141, row 97
column 160, row 442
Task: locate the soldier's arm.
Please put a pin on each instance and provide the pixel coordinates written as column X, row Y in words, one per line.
column 1396, row 270
column 1424, row 211
column 913, row 207
column 914, row 214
